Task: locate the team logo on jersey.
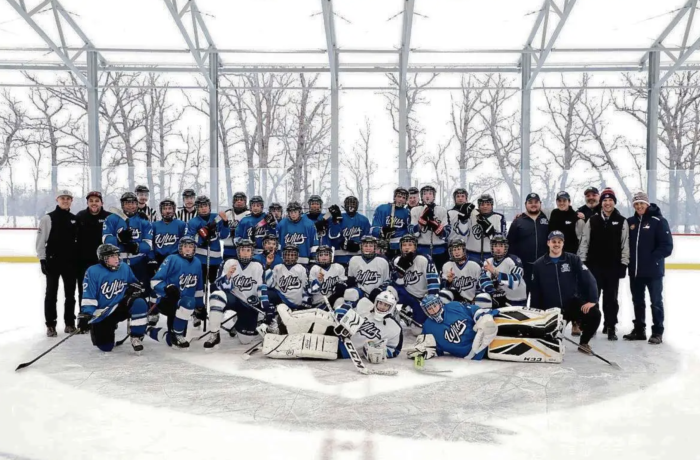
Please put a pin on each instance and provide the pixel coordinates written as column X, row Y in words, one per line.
column 565, row 268
column 165, row 239
column 454, row 333
column 396, row 222
column 109, row 290
column 295, row 238
column 188, row 281
column 544, row 221
column 370, row 330
column 328, row 284
column 256, row 232
column 351, row 232
column 478, row 232
column 243, row 283
column 289, row 283
column 412, row 277
column 463, row 283
column 367, row 277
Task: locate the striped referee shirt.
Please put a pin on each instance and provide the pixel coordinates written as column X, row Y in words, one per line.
column 184, row 215
column 149, row 212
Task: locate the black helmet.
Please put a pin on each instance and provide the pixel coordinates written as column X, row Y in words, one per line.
column 368, row 239
column 427, row 188
column 240, row 196
column 142, row 189
column 202, row 200
column 270, row 237
column 351, row 204
column 104, row 251
column 244, row 243
column 188, row 193
column 401, row 191
column 484, row 198
column 315, row 199
column 257, row 199
column 294, row 206
column 413, row 191
column 290, row 254
column 458, row 191
column 454, row 244
column 183, row 241
column 128, row 197
column 275, row 207
column 499, row 239
column 408, row 238
column 324, row 249
column 163, row 203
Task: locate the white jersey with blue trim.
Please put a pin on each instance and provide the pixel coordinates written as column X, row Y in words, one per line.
column 511, row 279
column 233, row 220
column 478, row 241
column 458, row 230
column 376, row 330
column 245, row 282
column 421, row 277
column 290, row 282
column 466, row 278
column 369, row 274
column 427, row 237
column 332, row 276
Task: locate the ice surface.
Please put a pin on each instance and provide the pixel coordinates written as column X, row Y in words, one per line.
column 77, row 403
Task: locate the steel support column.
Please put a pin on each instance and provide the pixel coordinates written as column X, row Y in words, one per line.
column 653, row 122
column 332, row 49
column 214, row 130
column 404, row 173
column 93, row 99
column 525, row 117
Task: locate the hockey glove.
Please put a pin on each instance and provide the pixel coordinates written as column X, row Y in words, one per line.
column 465, row 211
column 132, row 248
column 374, row 293
column 350, row 246
column 486, row 330
column 133, row 291
column 388, row 232
column 623, row 271
column 152, row 268
column 125, row 236
column 44, row 270
column 486, row 225
column 425, row 346
column 172, row 292
column 375, row 352
column 404, row 263
column 335, row 213
column 349, row 324
column 211, row 229
column 436, row 227
column 200, row 313
column 321, row 227
column 270, row 220
column 84, row 322
column 498, row 298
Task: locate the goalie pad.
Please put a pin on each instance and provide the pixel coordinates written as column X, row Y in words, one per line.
column 486, row 330
column 293, row 346
column 527, row 349
column 529, row 323
column 364, row 307
column 425, row 346
column 312, row 321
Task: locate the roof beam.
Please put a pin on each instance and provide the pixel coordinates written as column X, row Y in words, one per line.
column 688, row 6
column 677, row 65
column 684, row 53
column 331, row 42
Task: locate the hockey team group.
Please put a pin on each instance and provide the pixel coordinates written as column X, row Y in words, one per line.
column 331, row 284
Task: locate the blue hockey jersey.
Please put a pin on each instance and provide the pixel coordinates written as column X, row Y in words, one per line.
column 142, row 234
column 350, row 228
column 254, row 229
column 263, row 260
column 401, row 223
column 166, row 236
column 222, row 231
column 455, row 334
column 103, row 289
column 187, row 274
column 302, row 233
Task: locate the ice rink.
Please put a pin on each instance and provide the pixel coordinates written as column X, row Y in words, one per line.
column 77, row 403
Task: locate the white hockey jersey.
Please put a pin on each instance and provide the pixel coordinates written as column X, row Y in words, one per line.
column 511, row 279
column 245, row 282
column 376, row 330
column 476, row 233
column 458, row 230
column 233, row 221
column 466, row 278
column 369, row 274
column 420, row 279
column 290, row 282
column 331, row 278
column 427, row 237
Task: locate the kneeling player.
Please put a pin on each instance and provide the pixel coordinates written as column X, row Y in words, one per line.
column 270, row 257
column 179, row 287
column 368, row 274
column 460, row 276
column 326, row 278
column 288, row 283
column 111, row 295
column 414, row 278
column 504, row 271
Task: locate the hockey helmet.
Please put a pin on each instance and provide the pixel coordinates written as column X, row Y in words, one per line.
column 432, row 307
column 408, row 238
column 459, row 191
column 244, row 244
column 167, row 217
column 368, row 242
column 239, row 202
column 290, row 254
column 257, row 199
column 315, row 199
column 130, row 199
column 141, row 189
column 275, row 207
column 400, row 191
column 104, row 252
column 270, row 237
column 324, row 255
column 484, row 198
column 499, row 240
column 413, row 191
column 424, row 190
column 351, row 204
column 188, row 193
column 186, row 241
column 201, row 201
column 454, row 244
column 291, row 207
column 384, row 305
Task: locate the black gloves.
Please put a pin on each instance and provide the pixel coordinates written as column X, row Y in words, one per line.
column 44, row 270
column 335, row 213
column 321, row 226
column 84, row 322
column 172, row 292
column 465, row 211
column 486, row 225
column 388, row 232
column 498, row 298
column 133, row 291
column 132, row 248
column 373, row 295
column 125, row 236
column 270, row 220
column 152, row 268
column 623, row 271
column 405, row 262
column 350, row 246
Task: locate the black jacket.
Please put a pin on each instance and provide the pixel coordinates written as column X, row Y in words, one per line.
column 89, row 235
column 56, row 237
column 527, row 238
column 566, row 222
column 557, row 285
column 605, row 242
column 650, row 243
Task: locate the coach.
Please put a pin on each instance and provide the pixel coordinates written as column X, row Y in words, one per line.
column 90, row 223
column 527, row 235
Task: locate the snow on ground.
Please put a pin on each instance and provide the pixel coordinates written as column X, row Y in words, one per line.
column 77, row 403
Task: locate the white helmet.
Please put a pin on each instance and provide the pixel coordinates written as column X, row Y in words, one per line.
column 384, row 305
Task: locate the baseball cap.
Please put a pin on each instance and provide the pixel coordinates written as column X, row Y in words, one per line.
column 94, row 193
column 555, row 234
column 591, row 190
column 67, row 193
column 563, row 196
column 532, row 196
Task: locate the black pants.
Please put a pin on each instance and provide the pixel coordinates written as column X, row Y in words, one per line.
column 55, row 270
column 608, row 281
column 588, row 322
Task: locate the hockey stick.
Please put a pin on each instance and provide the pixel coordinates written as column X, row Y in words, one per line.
column 194, row 339
column 207, row 289
column 251, row 350
column 29, row 363
column 128, row 327
column 612, row 363
column 354, row 355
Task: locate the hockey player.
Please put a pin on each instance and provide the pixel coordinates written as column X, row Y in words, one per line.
column 505, row 272
column 300, row 232
column 459, row 215
column 133, row 236
column 179, row 287
column 413, row 198
column 315, row 203
column 345, row 234
column 460, row 276
column 484, row 225
column 414, row 277
column 391, row 221
column 111, row 295
column 142, row 194
column 326, row 278
column 188, row 209
column 166, row 235
column 234, row 216
column 270, row 257
column 240, row 288
column 275, row 210
column 208, row 230
column 288, row 282
column 368, row 274
column 253, row 227
column 431, row 227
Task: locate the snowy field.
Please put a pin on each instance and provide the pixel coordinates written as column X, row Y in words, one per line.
column 77, row 403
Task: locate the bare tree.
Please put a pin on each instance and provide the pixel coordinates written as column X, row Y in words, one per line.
column 468, row 130
column 12, row 121
column 361, row 168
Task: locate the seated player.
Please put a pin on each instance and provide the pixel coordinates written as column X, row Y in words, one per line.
column 111, row 295
column 503, row 271
column 288, row 283
column 179, row 287
column 326, row 278
column 368, row 274
column 270, row 257
column 414, row 277
column 240, row 288
column 460, row 276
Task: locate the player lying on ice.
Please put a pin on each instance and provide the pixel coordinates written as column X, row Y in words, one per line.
column 313, row 333
column 507, row 334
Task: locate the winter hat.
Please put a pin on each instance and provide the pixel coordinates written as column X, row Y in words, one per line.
column 640, row 197
column 608, row 193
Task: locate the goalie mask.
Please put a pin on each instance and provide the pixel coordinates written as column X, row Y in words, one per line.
column 408, row 244
column 368, row 247
column 105, row 252
column 427, row 194
column 384, row 305
column 432, row 306
column 186, row 247
column 290, row 255
column 244, row 251
column 351, row 204
column 458, row 251
column 499, row 248
column 324, row 256
column 167, row 210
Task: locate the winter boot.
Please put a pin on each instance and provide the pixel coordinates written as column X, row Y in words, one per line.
column 605, row 330
column 656, row 339
column 51, row 331
column 69, row 329
column 585, row 348
column 575, row 329
column 137, row 344
column 214, row 340
column 611, row 333
column 636, row 334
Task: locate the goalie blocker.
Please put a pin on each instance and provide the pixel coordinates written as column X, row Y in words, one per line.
column 528, row 335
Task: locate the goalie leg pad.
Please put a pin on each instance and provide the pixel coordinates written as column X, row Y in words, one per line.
column 526, row 322
column 527, row 349
column 293, row 346
column 312, row 321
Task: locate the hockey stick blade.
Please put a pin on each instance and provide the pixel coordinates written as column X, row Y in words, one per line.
column 251, row 350
column 194, row 339
column 29, row 363
column 612, row 363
